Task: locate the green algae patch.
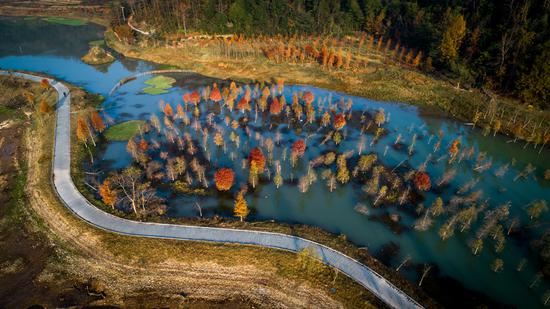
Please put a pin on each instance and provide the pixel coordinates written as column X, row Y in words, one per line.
column 161, row 81
column 65, row 21
column 124, row 130
column 158, row 85
column 155, row 90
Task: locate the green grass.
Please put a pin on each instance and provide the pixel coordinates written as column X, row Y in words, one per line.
column 158, row 85
column 10, row 112
column 167, row 67
column 97, row 43
column 65, row 21
column 123, row 131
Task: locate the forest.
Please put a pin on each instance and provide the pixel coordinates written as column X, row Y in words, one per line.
column 501, row 46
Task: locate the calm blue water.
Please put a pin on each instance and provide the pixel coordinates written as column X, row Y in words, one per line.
column 56, row 50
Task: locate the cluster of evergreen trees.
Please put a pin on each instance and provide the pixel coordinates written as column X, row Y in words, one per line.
column 498, row 44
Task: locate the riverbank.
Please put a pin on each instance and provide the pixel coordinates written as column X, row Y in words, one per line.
column 86, row 266
column 378, row 80
column 92, row 12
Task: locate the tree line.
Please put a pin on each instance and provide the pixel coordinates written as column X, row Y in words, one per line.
column 500, row 45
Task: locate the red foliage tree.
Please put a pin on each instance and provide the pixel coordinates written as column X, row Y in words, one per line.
column 308, row 97
column 339, row 121
column 276, row 107
column 215, row 94
column 195, row 97
column 186, row 97
column 243, row 104
column 224, row 178
column 299, row 148
column 44, row 83
column 422, row 181
column 143, row 145
column 257, row 156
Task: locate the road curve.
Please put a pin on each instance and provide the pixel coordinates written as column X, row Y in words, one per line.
column 74, row 200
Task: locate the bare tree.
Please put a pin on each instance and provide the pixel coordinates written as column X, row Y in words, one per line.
column 425, row 272
column 137, row 193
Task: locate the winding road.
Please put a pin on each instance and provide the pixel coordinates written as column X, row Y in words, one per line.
column 73, row 199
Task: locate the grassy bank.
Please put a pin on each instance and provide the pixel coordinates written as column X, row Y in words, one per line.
column 379, row 79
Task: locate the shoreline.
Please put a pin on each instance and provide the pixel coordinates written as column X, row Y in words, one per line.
column 432, row 93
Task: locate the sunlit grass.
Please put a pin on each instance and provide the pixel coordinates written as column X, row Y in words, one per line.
column 123, row 131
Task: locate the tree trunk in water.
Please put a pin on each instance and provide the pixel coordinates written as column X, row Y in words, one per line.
column 423, row 276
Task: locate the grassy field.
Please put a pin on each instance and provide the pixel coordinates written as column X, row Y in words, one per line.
column 123, row 131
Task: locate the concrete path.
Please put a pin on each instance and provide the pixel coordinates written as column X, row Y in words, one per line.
column 72, row 198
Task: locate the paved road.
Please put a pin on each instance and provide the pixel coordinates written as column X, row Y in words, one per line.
column 72, row 198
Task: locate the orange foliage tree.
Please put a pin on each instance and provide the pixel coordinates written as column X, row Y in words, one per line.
column 339, row 121
column 243, row 105
column 224, row 178
column 81, row 130
column 168, row 111
column 44, row 107
column 108, row 195
column 276, row 107
column 180, row 111
column 44, row 83
column 257, row 156
column 143, row 145
column 195, row 97
column 298, row 148
column 186, row 97
column 97, row 122
column 308, row 97
column 453, row 150
column 241, row 207
column 422, row 181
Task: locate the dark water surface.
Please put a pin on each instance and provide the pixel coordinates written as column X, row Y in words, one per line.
column 38, row 46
